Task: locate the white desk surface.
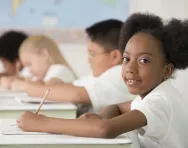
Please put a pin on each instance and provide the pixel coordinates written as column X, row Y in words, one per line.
column 10, row 93
column 58, row 139
column 9, row 103
column 55, row 139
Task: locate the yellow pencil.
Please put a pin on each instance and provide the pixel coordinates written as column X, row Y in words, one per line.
column 41, row 103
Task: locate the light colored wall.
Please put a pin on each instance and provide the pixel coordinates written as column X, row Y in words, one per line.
column 76, row 55
column 163, row 8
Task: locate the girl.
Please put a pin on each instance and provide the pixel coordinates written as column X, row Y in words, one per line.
column 153, row 51
column 42, row 57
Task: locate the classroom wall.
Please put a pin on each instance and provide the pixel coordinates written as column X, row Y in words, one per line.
column 163, row 8
column 77, row 56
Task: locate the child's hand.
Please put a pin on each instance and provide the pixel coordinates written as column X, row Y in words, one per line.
column 31, row 122
column 18, row 85
column 5, row 82
column 90, row 116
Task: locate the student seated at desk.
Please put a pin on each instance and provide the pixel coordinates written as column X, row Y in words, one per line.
column 10, row 42
column 153, row 51
column 41, row 55
column 106, row 86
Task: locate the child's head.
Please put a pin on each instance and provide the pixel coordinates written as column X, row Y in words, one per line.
column 103, row 39
column 10, row 42
column 37, row 53
column 152, row 51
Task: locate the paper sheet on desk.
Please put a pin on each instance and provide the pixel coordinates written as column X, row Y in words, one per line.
column 27, row 99
column 23, row 138
column 9, row 127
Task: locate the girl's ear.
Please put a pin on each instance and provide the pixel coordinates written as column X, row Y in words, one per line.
column 169, row 68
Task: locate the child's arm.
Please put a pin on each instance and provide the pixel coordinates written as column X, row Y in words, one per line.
column 115, row 110
column 59, row 92
column 108, row 128
column 110, row 111
column 54, row 81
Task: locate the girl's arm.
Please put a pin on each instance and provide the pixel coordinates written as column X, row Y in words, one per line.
column 115, row 110
column 54, row 81
column 108, row 128
column 59, row 92
column 110, row 111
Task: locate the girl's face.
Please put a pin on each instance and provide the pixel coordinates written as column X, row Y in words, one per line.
column 37, row 63
column 144, row 65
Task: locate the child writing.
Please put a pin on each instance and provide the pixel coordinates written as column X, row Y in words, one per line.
column 42, row 57
column 153, row 51
column 105, row 86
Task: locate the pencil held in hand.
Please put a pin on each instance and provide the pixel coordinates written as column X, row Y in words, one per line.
column 43, row 99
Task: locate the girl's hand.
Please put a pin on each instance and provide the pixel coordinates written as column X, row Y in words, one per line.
column 31, row 122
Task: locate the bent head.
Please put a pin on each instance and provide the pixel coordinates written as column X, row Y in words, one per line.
column 37, row 53
column 103, row 49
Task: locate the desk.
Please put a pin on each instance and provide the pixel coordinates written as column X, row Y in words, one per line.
column 11, row 109
column 60, row 141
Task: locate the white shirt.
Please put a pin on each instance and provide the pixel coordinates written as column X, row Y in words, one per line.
column 107, row 89
column 60, row 72
column 167, row 118
column 84, row 81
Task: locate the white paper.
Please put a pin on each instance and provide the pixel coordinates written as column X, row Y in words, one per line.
column 17, row 138
column 9, row 127
column 27, row 99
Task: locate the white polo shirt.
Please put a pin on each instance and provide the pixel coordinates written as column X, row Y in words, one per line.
column 60, row 72
column 107, row 89
column 167, row 118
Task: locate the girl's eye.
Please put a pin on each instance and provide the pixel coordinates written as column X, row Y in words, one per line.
column 126, row 59
column 144, row 60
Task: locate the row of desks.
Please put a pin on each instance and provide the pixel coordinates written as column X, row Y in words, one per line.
column 11, row 109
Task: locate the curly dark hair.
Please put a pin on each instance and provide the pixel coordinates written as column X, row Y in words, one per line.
column 10, row 42
column 106, row 33
column 173, row 35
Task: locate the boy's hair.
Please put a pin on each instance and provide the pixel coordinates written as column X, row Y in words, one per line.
column 173, row 36
column 36, row 43
column 10, row 42
column 106, row 33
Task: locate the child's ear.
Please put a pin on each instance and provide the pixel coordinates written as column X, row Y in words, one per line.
column 116, row 57
column 169, row 68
